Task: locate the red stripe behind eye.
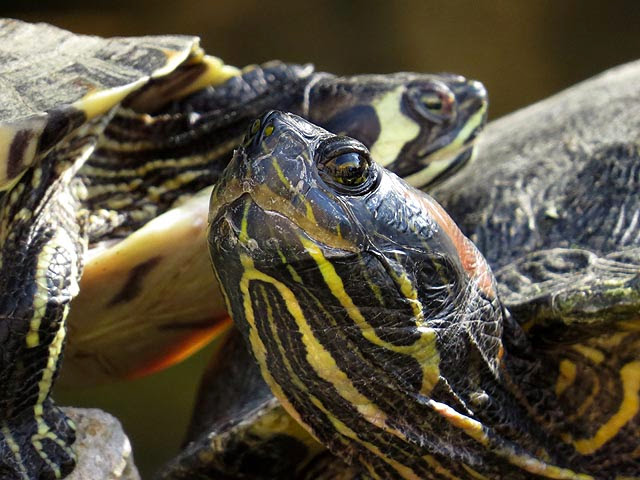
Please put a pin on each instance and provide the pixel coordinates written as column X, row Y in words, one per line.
column 471, row 259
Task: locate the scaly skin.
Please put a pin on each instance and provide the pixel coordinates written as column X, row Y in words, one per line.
column 377, row 323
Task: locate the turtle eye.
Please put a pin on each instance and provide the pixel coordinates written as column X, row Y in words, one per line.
column 435, row 103
column 347, row 168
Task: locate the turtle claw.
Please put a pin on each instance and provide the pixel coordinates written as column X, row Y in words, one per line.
column 37, row 447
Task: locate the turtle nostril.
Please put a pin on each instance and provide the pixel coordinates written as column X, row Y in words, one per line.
column 260, row 129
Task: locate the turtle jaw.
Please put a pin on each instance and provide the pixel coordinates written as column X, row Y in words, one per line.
column 441, row 159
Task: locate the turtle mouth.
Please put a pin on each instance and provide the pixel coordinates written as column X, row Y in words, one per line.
column 248, row 221
column 461, row 138
column 462, row 159
column 439, row 162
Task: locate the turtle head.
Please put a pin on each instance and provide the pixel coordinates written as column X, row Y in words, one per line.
column 349, row 285
column 293, row 186
column 420, row 126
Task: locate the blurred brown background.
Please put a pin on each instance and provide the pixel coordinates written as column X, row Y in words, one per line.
column 522, row 51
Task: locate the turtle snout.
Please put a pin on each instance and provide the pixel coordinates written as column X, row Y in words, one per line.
column 260, row 130
column 475, row 99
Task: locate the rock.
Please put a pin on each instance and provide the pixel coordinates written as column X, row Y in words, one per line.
column 103, row 449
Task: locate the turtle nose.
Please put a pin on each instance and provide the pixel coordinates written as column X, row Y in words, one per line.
column 478, row 89
column 478, row 94
column 261, row 128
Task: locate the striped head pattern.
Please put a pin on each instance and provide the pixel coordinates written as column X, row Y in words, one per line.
column 374, row 320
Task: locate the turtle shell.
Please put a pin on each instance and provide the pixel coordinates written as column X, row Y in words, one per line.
column 53, row 81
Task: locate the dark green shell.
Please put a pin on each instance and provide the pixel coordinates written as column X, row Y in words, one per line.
column 45, row 96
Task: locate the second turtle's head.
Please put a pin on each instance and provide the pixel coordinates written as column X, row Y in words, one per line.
column 420, row 126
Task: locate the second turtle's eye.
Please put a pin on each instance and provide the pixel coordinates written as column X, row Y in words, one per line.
column 434, row 102
column 345, row 165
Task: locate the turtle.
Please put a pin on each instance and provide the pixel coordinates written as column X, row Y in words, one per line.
column 101, row 138
column 422, row 126
column 381, row 328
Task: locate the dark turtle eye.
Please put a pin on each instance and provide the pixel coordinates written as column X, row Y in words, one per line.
column 349, row 169
column 435, row 102
column 432, row 102
column 345, row 165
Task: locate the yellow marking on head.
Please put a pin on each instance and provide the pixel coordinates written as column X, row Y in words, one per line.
column 566, row 377
column 377, row 292
column 473, row 473
column 593, row 354
column 283, row 178
column 438, row 468
column 630, row 377
column 440, row 160
column 257, row 346
column 338, row 231
column 318, row 358
column 243, row 237
column 396, row 128
column 408, row 290
column 290, row 269
column 286, row 183
column 434, row 168
column 424, row 351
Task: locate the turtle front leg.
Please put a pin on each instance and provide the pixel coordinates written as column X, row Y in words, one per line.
column 40, row 264
column 37, row 286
